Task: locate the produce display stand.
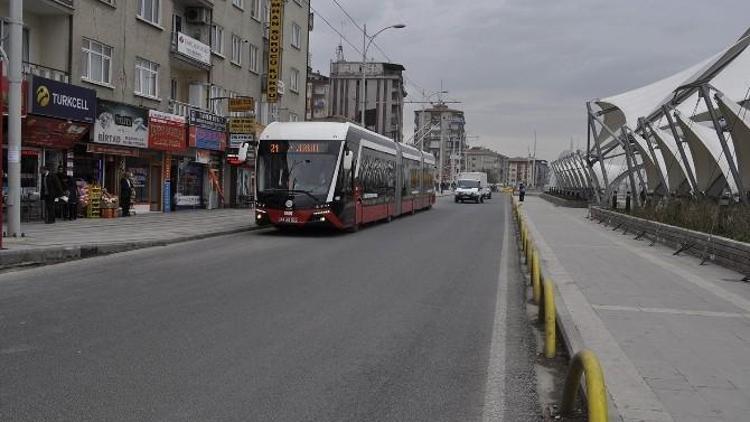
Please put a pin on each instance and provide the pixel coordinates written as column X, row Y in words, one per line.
column 95, row 202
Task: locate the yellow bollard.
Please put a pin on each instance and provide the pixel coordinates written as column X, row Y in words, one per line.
column 536, row 285
column 586, row 363
column 548, row 315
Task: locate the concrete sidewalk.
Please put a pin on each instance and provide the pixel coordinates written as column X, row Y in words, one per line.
column 673, row 336
column 65, row 240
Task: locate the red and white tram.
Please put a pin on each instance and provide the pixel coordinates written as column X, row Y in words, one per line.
column 338, row 175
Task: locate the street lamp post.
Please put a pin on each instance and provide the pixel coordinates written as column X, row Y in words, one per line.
column 366, row 45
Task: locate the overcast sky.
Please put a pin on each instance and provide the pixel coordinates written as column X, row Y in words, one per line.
column 524, row 65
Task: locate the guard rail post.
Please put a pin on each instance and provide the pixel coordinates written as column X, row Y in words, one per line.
column 547, row 313
column 586, row 363
column 535, row 276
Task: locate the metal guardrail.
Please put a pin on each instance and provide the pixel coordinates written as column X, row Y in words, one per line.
column 584, row 363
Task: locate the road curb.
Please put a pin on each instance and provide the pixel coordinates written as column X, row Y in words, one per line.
column 10, row 259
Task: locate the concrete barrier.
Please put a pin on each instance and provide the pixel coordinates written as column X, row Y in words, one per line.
column 562, row 202
column 726, row 252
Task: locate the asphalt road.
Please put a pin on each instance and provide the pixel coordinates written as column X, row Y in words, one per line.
column 413, row 320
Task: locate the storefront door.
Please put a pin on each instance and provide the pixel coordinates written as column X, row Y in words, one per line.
column 155, row 187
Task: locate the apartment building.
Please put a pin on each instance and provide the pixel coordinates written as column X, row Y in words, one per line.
column 318, row 90
column 156, row 75
column 385, row 93
column 533, row 173
column 488, row 161
column 438, row 125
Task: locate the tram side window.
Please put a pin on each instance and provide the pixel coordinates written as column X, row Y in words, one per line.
column 428, row 181
column 344, row 183
column 411, row 176
column 377, row 173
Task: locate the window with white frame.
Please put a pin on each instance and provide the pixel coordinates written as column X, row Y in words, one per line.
column 146, row 78
column 97, row 62
column 239, row 3
column 150, row 10
column 217, row 39
column 296, row 36
column 254, row 59
column 255, row 9
column 236, row 50
column 294, row 80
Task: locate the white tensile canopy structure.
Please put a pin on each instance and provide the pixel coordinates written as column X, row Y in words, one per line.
column 685, row 135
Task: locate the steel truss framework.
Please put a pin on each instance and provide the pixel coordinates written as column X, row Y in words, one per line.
column 685, row 135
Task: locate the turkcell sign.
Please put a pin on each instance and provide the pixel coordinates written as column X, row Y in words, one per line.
column 196, row 50
column 63, row 101
column 275, row 39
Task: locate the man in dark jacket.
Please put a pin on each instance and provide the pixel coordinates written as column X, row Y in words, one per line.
column 72, row 198
column 126, row 189
column 51, row 191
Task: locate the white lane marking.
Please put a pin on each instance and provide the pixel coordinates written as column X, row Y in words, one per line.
column 670, row 311
column 494, row 396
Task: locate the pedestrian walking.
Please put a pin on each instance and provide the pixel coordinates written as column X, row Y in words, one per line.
column 50, row 194
column 521, row 191
column 72, row 198
column 126, row 193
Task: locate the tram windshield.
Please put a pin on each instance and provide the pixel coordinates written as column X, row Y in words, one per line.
column 304, row 166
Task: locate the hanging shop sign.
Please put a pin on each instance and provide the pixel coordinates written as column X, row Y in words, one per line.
column 112, row 150
column 63, row 101
column 46, row 132
column 241, row 104
column 275, row 39
column 237, row 139
column 208, row 121
column 199, row 137
column 166, row 132
column 194, row 49
column 242, row 125
column 121, row 124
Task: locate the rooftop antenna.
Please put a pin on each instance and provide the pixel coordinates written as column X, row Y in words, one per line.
column 340, row 48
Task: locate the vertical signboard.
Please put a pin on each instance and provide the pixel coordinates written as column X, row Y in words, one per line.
column 275, row 40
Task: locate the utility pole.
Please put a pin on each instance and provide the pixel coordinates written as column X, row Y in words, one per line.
column 442, row 148
column 533, row 164
column 15, row 75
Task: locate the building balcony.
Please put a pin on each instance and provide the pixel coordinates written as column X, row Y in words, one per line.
column 45, row 72
column 50, row 7
column 183, row 109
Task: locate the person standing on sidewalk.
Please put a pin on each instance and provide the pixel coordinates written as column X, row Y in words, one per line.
column 521, row 192
column 126, row 189
column 72, row 198
column 51, row 192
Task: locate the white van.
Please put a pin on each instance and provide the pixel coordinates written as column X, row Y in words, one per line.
column 472, row 186
column 482, row 178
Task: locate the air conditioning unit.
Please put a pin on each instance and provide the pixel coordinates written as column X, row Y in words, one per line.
column 198, row 15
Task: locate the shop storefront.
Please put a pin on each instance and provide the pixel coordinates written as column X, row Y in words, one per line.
column 168, row 134
column 120, row 144
column 207, row 139
column 59, row 116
